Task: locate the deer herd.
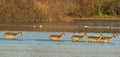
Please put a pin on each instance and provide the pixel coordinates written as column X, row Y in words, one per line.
column 79, row 38
column 74, row 38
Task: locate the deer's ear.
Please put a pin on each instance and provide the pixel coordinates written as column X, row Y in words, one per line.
column 114, row 36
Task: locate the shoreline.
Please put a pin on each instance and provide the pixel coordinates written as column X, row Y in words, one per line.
column 76, row 26
column 94, row 19
column 57, row 29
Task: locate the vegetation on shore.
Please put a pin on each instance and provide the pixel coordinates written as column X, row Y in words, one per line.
column 58, row 10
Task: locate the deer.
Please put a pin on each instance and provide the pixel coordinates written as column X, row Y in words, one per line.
column 107, row 39
column 56, row 37
column 12, row 35
column 94, row 38
column 78, row 37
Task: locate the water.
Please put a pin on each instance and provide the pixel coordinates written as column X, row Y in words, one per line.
column 37, row 44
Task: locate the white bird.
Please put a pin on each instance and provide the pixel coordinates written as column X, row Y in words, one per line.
column 34, row 26
column 85, row 26
column 40, row 26
column 108, row 27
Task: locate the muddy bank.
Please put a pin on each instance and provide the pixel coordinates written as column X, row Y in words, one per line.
column 75, row 26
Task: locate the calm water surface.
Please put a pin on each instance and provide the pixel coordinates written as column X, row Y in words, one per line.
column 37, row 44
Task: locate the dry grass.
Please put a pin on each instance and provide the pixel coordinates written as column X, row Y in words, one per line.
column 49, row 10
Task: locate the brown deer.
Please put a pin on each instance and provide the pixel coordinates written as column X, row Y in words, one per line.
column 11, row 35
column 107, row 39
column 94, row 38
column 56, row 37
column 78, row 37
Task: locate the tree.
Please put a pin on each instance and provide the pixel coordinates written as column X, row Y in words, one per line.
column 100, row 4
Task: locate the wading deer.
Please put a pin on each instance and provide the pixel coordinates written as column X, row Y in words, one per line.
column 107, row 39
column 94, row 38
column 11, row 35
column 78, row 37
column 56, row 37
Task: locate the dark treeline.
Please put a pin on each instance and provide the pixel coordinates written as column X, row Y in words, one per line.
column 40, row 10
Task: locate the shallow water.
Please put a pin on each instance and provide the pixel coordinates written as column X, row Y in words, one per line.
column 37, row 44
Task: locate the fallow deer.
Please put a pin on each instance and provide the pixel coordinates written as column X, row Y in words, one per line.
column 94, row 38
column 78, row 37
column 11, row 35
column 107, row 39
column 56, row 37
